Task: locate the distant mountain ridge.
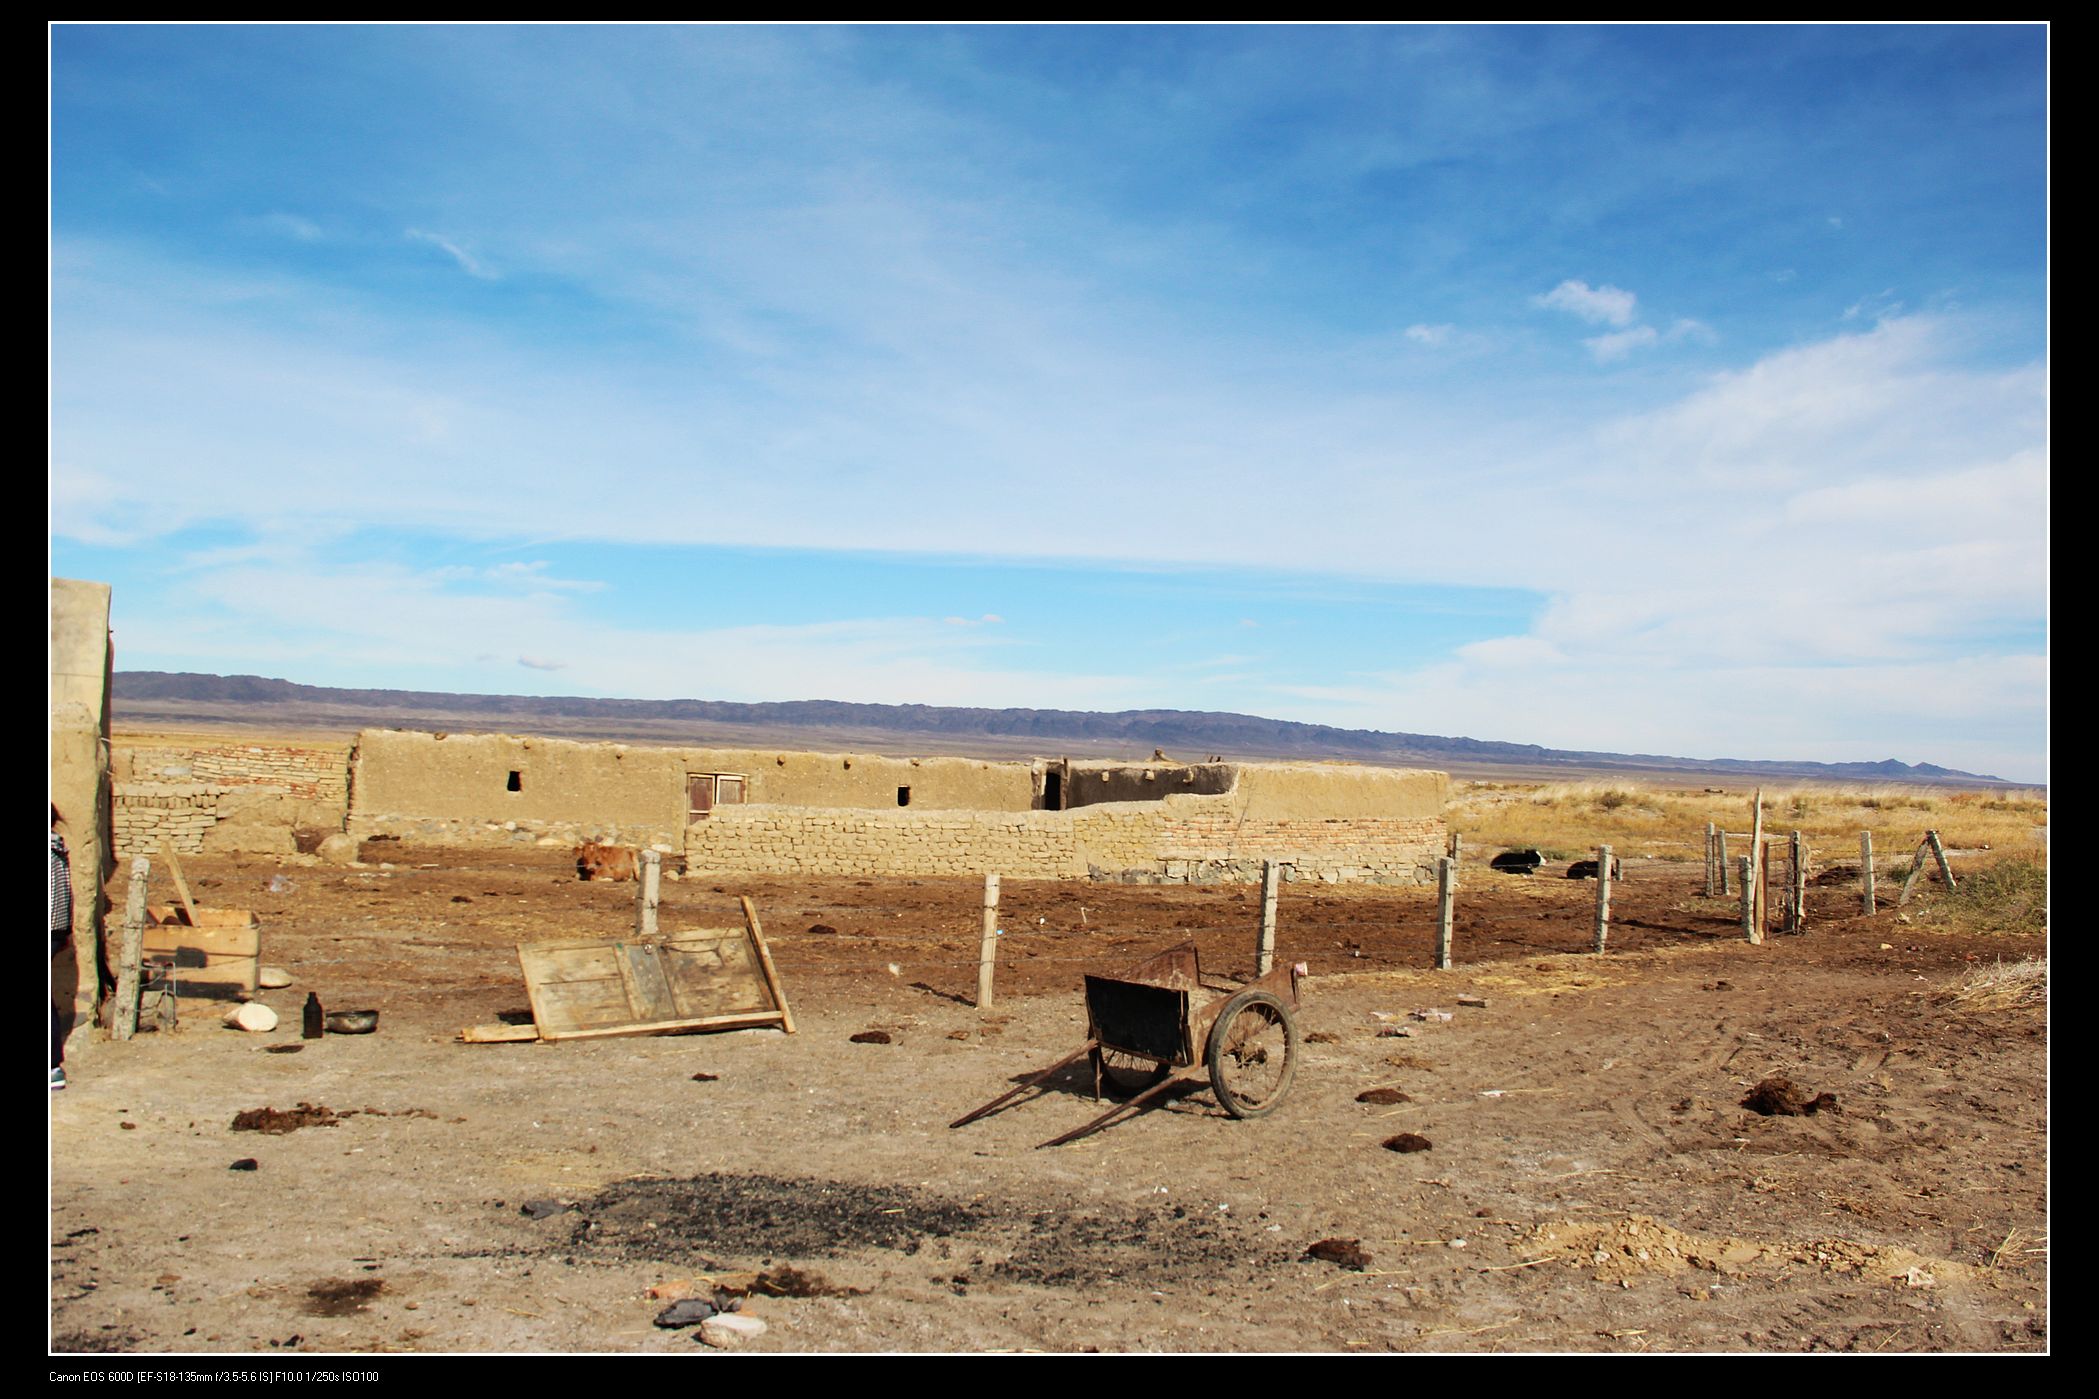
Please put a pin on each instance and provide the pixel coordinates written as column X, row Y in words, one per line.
column 1140, row 729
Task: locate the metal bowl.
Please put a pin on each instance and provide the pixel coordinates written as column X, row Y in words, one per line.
column 351, row 1022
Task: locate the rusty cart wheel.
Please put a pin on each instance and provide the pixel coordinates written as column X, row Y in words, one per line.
column 1125, row 1075
column 1252, row 1055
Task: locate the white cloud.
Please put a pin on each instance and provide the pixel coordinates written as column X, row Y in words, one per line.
column 1619, row 344
column 532, row 663
column 1430, row 335
column 1605, row 305
column 471, row 265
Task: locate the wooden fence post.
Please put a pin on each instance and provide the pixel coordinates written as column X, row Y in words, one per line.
column 1748, row 882
column 1796, row 891
column 1603, row 895
column 1909, row 881
column 1725, row 863
column 646, row 897
column 987, row 953
column 1712, row 859
column 1945, row 870
column 131, row 952
column 1865, row 869
column 1763, row 868
column 1271, row 884
column 1446, row 909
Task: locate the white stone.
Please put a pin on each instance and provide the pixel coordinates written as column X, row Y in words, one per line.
column 339, row 849
column 731, row 1329
column 273, row 977
column 254, row 1017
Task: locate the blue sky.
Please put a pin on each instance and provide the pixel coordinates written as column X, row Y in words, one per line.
column 1655, row 389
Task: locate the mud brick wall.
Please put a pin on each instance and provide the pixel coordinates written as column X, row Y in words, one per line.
column 1339, row 850
column 151, row 816
column 229, row 796
column 316, row 773
column 1200, row 840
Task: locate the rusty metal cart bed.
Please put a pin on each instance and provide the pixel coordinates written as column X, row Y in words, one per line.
column 1144, row 1024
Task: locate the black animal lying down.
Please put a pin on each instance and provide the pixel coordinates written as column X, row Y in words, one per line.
column 1586, row 869
column 1517, row 862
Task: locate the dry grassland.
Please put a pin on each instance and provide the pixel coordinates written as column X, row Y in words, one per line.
column 1570, row 819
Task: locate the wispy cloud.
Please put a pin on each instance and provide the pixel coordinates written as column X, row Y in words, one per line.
column 468, row 263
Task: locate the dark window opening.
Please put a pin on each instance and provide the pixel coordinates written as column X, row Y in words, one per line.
column 517, row 781
column 903, row 796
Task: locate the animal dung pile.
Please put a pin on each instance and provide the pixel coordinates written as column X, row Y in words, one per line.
column 1382, row 1096
column 1777, row 1097
column 1407, row 1141
column 277, row 1123
column 1345, row 1253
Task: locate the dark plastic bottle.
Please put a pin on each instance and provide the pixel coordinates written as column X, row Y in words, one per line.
column 312, row 1030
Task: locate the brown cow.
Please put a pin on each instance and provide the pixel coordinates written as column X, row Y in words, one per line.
column 607, row 862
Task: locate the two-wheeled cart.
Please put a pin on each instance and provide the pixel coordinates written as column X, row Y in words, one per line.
column 1145, row 1024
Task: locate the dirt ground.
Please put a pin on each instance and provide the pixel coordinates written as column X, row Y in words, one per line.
column 1590, row 1182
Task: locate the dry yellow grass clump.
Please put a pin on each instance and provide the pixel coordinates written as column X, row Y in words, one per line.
column 1567, row 819
column 2002, row 986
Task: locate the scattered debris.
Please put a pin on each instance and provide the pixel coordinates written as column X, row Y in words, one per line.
column 1407, row 1142
column 822, row 929
column 545, row 1209
column 871, row 1037
column 687, row 1311
column 1346, row 1253
column 280, row 885
column 276, row 1123
column 1383, row 1096
column 1395, row 1032
column 1476, row 1002
column 1430, row 1014
column 273, row 978
column 1777, row 1097
column 706, row 1078
column 351, row 1022
column 1718, row 986
column 246, row 1163
column 252, row 1016
column 346, row 1297
column 1322, row 1037
column 283, row 1048
column 730, row 1330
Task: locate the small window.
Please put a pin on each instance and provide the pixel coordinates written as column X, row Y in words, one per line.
column 516, row 783
column 903, row 796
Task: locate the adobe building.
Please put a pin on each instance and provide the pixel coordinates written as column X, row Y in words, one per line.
column 763, row 811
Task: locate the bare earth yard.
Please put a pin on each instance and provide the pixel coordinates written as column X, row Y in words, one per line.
column 1592, row 1181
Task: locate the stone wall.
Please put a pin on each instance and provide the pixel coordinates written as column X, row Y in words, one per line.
column 213, row 796
column 1199, row 840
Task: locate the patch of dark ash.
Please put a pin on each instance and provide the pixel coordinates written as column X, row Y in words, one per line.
column 712, row 1218
column 1147, row 1249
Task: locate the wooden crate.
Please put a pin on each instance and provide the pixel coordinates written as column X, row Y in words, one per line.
column 219, row 954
